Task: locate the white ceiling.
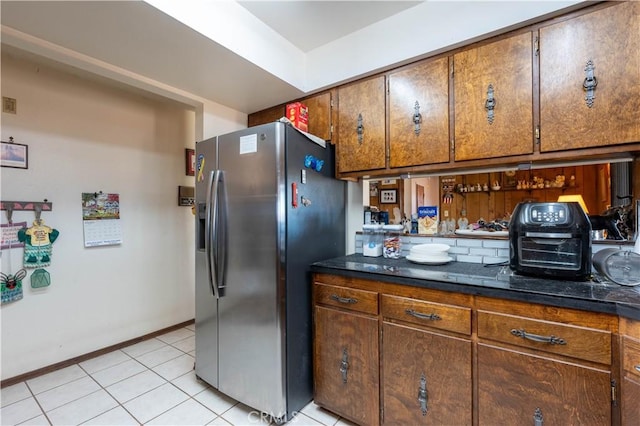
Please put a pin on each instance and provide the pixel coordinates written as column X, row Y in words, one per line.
column 246, row 55
column 311, row 24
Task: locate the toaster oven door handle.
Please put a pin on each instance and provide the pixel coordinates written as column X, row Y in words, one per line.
column 548, row 234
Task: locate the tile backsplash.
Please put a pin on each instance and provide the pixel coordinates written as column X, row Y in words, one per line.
column 474, row 250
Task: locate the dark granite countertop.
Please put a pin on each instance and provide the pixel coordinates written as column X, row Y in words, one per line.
column 493, row 281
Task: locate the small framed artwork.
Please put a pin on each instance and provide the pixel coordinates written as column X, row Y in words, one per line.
column 14, row 155
column 388, row 196
column 190, row 161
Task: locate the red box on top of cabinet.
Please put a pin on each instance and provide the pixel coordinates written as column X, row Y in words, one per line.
column 298, row 114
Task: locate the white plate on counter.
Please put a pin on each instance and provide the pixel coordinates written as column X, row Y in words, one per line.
column 432, row 261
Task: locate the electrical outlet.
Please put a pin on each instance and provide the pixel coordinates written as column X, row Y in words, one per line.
column 9, row 105
column 446, row 213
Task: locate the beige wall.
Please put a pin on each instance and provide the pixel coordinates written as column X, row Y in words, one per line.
column 84, row 136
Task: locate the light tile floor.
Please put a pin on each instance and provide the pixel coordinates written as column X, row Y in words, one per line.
column 150, row 383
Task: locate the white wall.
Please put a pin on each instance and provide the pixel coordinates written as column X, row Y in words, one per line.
column 84, row 136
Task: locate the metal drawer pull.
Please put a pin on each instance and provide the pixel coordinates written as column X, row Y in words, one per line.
column 538, row 420
column 552, row 340
column 637, row 367
column 344, row 365
column 590, row 83
column 433, row 317
column 347, row 300
column 490, row 104
column 422, row 394
column 360, row 129
column 417, row 118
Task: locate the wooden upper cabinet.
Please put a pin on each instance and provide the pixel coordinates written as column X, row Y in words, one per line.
column 493, row 91
column 319, row 107
column 265, row 116
column 361, row 126
column 420, row 89
column 603, row 44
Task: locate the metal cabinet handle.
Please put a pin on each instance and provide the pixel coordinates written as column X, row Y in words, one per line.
column 360, row 129
column 637, row 367
column 422, row 395
column 590, row 83
column 347, row 300
column 417, row 118
column 490, row 104
column 552, row 340
column 432, row 317
column 538, row 420
column 344, row 365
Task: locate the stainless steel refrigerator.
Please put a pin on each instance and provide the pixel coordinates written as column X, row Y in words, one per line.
column 267, row 206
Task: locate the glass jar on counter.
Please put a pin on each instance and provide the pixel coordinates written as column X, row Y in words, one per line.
column 392, row 245
column 372, row 237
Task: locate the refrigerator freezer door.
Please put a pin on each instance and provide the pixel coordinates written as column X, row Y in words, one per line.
column 206, row 301
column 251, row 309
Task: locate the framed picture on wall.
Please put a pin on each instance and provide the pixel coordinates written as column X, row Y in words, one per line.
column 14, row 155
column 190, row 161
column 388, row 196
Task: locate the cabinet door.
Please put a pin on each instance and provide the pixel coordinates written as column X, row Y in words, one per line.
column 493, row 88
column 361, row 126
column 346, row 378
column 266, row 116
column 630, row 402
column 517, row 389
column 419, row 93
column 426, row 377
column 319, row 115
column 608, row 41
column 630, row 389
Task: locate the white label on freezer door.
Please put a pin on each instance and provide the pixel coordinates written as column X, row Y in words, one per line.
column 248, row 144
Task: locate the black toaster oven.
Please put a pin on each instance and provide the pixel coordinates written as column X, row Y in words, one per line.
column 550, row 239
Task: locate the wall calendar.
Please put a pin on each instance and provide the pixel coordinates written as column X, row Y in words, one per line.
column 101, row 219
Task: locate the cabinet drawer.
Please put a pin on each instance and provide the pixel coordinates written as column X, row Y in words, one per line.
column 631, row 358
column 347, row 298
column 564, row 339
column 436, row 315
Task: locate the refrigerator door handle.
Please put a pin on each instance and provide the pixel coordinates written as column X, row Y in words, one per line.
column 210, row 224
column 221, row 238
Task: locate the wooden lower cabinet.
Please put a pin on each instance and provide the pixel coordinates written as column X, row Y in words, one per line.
column 400, row 355
column 630, row 365
column 516, row 388
column 426, row 377
column 346, row 375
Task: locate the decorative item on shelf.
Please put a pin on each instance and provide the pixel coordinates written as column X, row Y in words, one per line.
column 560, row 181
column 495, row 185
column 510, row 179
